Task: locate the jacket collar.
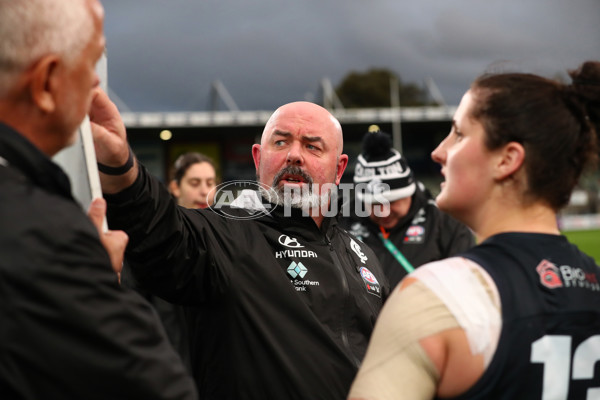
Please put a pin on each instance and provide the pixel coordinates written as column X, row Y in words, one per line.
column 24, row 157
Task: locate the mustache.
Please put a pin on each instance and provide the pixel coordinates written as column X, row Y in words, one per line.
column 292, row 170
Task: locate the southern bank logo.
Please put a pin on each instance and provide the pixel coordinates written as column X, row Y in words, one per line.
column 297, row 270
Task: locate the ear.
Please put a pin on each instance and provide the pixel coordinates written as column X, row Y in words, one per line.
column 256, row 155
column 341, row 167
column 44, row 82
column 174, row 189
column 511, row 158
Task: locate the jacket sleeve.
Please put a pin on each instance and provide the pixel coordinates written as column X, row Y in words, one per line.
column 168, row 252
column 70, row 331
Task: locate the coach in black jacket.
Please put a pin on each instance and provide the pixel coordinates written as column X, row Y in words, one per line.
column 286, row 302
column 67, row 329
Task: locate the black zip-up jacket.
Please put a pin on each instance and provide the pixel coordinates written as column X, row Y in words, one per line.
column 423, row 235
column 67, row 329
column 279, row 308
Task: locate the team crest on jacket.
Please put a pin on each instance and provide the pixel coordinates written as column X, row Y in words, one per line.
column 414, row 234
column 370, row 281
column 356, row 248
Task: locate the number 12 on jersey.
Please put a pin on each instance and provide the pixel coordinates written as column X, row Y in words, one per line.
column 554, row 351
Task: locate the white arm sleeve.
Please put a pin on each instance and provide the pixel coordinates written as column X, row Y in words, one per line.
column 449, row 294
column 471, row 296
column 395, row 366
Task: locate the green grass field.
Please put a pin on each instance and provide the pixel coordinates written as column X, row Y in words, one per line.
column 587, row 241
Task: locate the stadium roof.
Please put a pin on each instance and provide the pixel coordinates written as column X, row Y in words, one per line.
column 250, row 118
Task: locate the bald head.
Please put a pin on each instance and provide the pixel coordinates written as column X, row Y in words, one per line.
column 301, row 148
column 306, row 116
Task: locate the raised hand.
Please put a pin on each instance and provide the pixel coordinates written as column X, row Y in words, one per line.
column 118, row 168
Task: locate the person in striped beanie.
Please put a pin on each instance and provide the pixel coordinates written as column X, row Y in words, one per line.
column 396, row 215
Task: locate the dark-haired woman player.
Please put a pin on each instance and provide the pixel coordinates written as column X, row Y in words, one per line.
column 518, row 316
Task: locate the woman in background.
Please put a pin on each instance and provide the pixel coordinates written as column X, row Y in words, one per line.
column 194, row 178
column 518, row 316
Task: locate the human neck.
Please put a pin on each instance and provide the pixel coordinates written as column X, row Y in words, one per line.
column 318, row 220
column 535, row 218
column 26, row 120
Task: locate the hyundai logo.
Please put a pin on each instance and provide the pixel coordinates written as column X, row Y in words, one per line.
column 289, row 242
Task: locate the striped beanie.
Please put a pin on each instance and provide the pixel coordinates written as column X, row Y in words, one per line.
column 380, row 164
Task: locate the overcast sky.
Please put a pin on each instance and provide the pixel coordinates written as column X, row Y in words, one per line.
column 163, row 55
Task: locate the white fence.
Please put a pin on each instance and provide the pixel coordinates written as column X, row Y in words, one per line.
column 579, row 222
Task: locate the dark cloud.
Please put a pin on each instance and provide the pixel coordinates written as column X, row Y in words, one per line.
column 164, row 54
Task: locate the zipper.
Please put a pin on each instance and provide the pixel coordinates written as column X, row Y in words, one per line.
column 346, row 293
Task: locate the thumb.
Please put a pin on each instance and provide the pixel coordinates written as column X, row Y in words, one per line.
column 97, row 212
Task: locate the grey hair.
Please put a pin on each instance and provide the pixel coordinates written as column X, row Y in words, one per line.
column 31, row 29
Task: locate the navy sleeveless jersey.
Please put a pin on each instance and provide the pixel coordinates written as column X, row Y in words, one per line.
column 550, row 339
